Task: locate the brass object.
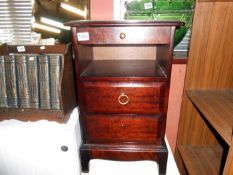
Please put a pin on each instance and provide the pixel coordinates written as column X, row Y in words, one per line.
column 123, row 99
column 122, row 35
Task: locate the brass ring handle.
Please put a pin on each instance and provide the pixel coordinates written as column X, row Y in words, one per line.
column 122, row 35
column 121, row 99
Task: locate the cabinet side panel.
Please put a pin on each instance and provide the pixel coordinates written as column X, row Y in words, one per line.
column 210, row 58
column 67, row 91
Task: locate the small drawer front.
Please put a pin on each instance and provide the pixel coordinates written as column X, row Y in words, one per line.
column 122, row 129
column 122, row 98
column 123, row 35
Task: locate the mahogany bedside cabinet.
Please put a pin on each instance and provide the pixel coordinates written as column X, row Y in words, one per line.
column 123, row 73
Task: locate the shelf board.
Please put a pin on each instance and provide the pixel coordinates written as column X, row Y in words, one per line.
column 32, row 114
column 201, row 160
column 130, row 69
column 217, row 108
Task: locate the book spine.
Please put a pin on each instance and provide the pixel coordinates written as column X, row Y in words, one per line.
column 55, row 62
column 3, row 95
column 33, row 81
column 11, row 89
column 44, row 82
column 22, row 80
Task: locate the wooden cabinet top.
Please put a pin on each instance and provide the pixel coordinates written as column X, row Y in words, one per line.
column 111, row 23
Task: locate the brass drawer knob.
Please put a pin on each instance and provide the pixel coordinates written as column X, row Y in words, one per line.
column 123, row 99
column 122, row 35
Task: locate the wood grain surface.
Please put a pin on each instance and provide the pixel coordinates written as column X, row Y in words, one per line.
column 123, row 100
column 103, row 97
column 209, row 68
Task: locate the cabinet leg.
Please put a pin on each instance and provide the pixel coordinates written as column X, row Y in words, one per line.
column 85, row 159
column 162, row 161
column 161, row 155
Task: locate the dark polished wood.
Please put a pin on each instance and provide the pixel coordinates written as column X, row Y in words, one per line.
column 118, row 23
column 31, row 114
column 178, row 60
column 142, row 98
column 4, row 50
column 126, row 35
column 40, row 49
column 67, row 91
column 123, row 102
column 124, row 129
column 124, row 153
column 123, row 68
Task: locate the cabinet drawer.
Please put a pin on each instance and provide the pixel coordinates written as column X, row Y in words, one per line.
column 122, row 128
column 123, row 98
column 124, row 35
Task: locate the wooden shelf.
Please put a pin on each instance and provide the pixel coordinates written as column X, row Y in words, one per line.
column 201, row 160
column 217, row 108
column 33, row 114
column 206, row 117
column 130, row 69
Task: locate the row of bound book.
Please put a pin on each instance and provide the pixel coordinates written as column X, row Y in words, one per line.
column 30, row 81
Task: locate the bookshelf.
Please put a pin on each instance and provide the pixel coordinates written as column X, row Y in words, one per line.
column 217, row 108
column 38, row 82
column 197, row 159
column 204, row 142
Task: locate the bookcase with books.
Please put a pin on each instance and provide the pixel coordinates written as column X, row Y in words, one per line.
column 36, row 82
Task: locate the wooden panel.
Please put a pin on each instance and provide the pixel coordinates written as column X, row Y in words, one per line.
column 4, row 49
column 124, row 53
column 179, row 60
column 217, row 108
column 120, row 23
column 228, row 169
column 164, row 54
column 143, row 98
column 204, row 65
column 85, row 54
column 209, row 67
column 48, row 49
column 201, row 160
column 123, row 68
column 126, row 35
column 198, row 45
column 32, row 114
column 122, row 129
column 196, row 131
column 67, row 92
column 211, row 47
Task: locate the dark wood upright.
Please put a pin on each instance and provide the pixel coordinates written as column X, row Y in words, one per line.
column 123, row 102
